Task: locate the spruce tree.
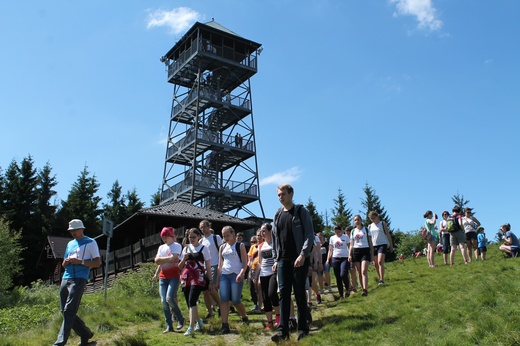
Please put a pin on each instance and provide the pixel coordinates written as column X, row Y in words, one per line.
column 341, row 215
column 459, row 201
column 115, row 209
column 133, row 203
column 372, row 203
column 156, row 198
column 82, row 203
column 317, row 219
column 46, row 210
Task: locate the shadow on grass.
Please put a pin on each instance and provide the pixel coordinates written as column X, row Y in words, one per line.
column 357, row 323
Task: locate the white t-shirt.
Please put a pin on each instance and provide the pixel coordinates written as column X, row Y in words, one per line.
column 378, row 234
column 340, row 245
column 191, row 249
column 231, row 260
column 213, row 249
column 169, row 270
column 360, row 237
column 266, row 267
column 469, row 225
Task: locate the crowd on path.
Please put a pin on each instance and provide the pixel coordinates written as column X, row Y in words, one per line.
column 286, row 263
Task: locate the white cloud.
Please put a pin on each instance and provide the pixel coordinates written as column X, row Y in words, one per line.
column 422, row 10
column 177, row 20
column 286, row 177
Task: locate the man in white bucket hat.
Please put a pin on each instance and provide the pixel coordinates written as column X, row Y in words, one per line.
column 82, row 253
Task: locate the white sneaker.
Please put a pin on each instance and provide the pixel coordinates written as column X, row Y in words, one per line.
column 198, row 325
column 189, row 331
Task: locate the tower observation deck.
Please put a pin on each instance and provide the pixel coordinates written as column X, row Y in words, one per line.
column 211, row 151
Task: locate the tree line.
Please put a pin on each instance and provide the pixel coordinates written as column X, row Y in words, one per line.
column 29, row 212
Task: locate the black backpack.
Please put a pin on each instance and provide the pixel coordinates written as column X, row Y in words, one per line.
column 452, row 223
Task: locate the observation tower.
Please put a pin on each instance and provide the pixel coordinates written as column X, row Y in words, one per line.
column 211, row 152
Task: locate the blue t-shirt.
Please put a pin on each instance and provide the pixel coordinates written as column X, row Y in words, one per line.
column 85, row 249
column 514, row 239
column 482, row 241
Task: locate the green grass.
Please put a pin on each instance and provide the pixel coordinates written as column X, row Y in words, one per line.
column 474, row 304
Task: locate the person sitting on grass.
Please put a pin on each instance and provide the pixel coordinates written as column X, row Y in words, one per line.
column 510, row 245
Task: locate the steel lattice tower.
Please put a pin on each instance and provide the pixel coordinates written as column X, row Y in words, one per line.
column 211, row 151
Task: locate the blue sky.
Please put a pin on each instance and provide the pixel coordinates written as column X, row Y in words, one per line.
column 417, row 98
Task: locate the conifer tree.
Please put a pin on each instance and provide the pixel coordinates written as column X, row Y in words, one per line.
column 46, row 210
column 341, row 215
column 133, row 203
column 317, row 219
column 115, row 209
column 459, row 201
column 372, row 203
column 82, row 203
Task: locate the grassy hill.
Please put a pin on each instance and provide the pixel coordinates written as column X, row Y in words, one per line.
column 473, row 304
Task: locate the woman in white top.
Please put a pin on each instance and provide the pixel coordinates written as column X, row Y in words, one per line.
column 361, row 251
column 338, row 251
column 194, row 256
column 232, row 267
column 471, row 224
column 268, row 283
column 445, row 236
column 382, row 242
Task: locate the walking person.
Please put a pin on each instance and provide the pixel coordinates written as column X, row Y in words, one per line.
column 361, row 251
column 167, row 260
column 339, row 245
column 429, row 225
column 267, row 278
column 230, row 277
column 324, row 278
column 471, row 224
column 382, row 242
column 212, row 243
column 81, row 254
column 293, row 239
column 445, row 237
column 195, row 266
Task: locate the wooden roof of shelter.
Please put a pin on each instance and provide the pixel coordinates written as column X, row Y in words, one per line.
column 149, row 221
column 57, row 246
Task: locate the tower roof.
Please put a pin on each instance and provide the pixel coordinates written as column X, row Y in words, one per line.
column 212, row 27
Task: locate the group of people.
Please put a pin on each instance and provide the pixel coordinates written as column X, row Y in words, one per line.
column 464, row 232
column 287, row 258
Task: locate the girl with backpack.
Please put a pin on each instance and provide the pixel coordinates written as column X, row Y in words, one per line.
column 195, row 267
column 230, row 277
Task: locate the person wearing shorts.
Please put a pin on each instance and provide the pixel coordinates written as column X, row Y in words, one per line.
column 470, row 224
column 382, row 242
column 458, row 238
column 361, row 251
column 510, row 245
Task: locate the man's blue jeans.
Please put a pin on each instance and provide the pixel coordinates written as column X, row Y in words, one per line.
column 290, row 277
column 168, row 291
column 71, row 291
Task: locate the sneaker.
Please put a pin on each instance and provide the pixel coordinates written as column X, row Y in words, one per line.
column 280, row 336
column 365, row 293
column 189, row 331
column 321, row 291
column 318, row 298
column 198, row 325
column 277, row 320
column 180, row 324
column 210, row 315
column 381, row 282
column 245, row 320
column 84, row 340
column 224, row 329
column 302, row 334
column 269, row 326
column 293, row 325
column 330, row 289
column 168, row 329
